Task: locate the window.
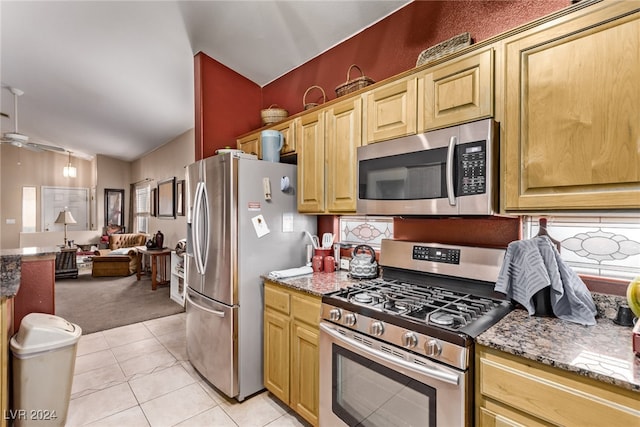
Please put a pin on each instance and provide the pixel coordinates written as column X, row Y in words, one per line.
column 369, row 230
column 607, row 247
column 142, row 208
column 56, row 199
column 29, row 209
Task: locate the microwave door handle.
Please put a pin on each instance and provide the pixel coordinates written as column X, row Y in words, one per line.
column 449, row 170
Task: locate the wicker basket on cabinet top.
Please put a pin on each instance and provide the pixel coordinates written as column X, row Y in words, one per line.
column 355, row 84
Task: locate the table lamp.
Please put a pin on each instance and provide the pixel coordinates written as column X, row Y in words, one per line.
column 65, row 217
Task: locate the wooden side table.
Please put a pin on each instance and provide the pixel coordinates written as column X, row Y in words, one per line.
column 66, row 263
column 159, row 263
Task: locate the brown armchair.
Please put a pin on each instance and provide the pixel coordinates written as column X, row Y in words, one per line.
column 121, row 259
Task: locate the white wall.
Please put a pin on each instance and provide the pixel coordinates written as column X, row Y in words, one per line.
column 168, row 161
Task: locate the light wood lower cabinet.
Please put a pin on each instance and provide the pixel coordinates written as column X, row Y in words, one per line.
column 5, row 328
column 572, row 115
column 513, row 391
column 291, row 339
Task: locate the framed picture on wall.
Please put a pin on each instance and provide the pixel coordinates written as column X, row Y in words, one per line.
column 167, row 198
column 153, row 202
column 180, row 198
column 113, row 207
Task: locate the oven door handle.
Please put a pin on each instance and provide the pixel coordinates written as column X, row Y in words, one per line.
column 420, row 370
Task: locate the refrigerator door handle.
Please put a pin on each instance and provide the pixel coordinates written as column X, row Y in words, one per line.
column 203, row 308
column 197, row 225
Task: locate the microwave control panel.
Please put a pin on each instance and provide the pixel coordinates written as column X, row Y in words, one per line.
column 472, row 168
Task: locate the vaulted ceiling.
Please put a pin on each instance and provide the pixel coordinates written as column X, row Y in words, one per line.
column 116, row 78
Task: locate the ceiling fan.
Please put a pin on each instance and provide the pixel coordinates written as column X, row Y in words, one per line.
column 19, row 140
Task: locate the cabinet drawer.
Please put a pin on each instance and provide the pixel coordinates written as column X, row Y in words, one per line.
column 547, row 395
column 306, row 309
column 276, row 299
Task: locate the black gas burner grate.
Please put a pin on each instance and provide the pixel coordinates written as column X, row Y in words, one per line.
column 432, row 305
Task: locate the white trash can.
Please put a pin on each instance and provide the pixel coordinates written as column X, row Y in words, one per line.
column 44, row 357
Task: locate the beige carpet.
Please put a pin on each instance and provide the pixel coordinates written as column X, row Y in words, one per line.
column 100, row 303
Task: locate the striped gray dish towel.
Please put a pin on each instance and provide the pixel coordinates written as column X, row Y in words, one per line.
column 532, row 265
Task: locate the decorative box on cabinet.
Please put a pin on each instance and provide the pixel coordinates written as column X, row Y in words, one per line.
column 458, row 91
column 291, row 337
column 572, row 116
column 177, row 286
column 514, row 391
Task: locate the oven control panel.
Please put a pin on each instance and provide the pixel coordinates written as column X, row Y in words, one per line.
column 428, row 253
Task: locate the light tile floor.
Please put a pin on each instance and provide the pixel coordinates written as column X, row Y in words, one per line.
column 139, row 375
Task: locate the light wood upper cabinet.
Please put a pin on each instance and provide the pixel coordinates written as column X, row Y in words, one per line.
column 572, row 113
column 391, row 110
column 343, row 137
column 458, row 91
column 250, row 144
column 311, row 163
column 327, row 158
column 288, row 130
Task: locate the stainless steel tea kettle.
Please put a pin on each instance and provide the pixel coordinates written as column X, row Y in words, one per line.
column 363, row 265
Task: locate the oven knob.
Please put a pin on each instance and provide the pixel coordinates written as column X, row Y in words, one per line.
column 350, row 319
column 432, row 348
column 409, row 340
column 335, row 314
column 377, row 329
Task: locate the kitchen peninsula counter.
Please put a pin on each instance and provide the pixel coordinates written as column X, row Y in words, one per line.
column 11, row 266
column 317, row 283
column 602, row 352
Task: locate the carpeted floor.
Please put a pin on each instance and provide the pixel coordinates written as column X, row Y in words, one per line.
column 100, row 303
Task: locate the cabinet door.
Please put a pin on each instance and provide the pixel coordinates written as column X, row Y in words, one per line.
column 288, row 130
column 276, row 354
column 304, row 371
column 343, row 137
column 391, row 110
column 250, row 144
column 572, row 131
column 460, row 91
column 311, row 163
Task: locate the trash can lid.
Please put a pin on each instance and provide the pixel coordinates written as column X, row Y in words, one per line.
column 43, row 332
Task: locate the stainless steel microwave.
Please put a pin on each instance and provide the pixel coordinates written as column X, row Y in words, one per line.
column 450, row 171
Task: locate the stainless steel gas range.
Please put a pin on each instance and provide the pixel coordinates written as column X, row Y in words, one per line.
column 399, row 350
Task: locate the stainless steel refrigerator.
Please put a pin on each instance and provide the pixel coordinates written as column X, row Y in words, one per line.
column 242, row 222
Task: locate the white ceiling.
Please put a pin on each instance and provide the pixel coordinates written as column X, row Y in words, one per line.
column 116, row 78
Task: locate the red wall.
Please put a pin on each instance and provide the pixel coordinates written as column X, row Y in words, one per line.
column 392, row 45
column 227, row 105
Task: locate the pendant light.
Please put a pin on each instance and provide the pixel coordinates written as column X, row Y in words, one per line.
column 69, row 171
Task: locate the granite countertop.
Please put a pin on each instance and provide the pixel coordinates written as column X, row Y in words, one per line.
column 602, row 352
column 317, row 283
column 11, row 267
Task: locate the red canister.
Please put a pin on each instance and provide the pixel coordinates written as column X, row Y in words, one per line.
column 316, row 263
column 329, row 264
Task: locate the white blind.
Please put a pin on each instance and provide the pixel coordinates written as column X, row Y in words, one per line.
column 142, row 208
